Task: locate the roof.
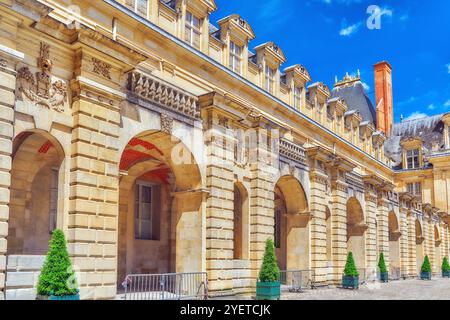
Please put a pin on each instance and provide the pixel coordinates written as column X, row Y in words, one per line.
column 357, row 99
column 428, row 129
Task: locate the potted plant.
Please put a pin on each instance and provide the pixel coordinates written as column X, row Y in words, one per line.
column 57, row 280
column 384, row 275
column 445, row 268
column 268, row 286
column 351, row 275
column 425, row 272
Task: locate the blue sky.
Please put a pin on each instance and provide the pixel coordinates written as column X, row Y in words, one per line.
column 331, row 37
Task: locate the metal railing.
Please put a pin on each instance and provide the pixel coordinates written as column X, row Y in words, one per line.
column 297, row 280
column 171, row 286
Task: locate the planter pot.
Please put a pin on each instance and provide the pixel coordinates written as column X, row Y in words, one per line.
column 384, row 277
column 69, row 297
column 349, row 282
column 446, row 274
column 425, row 275
column 268, row 290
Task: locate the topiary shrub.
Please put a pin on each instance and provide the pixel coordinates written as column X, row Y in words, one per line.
column 445, row 265
column 57, row 277
column 350, row 267
column 269, row 269
column 426, row 266
column 382, row 264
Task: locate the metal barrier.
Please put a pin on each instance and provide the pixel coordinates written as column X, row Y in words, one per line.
column 297, row 280
column 172, row 286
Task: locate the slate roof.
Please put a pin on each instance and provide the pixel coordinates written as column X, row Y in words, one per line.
column 356, row 97
column 429, row 129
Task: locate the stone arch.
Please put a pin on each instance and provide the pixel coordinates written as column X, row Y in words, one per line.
column 394, row 242
column 160, row 212
column 420, row 254
column 241, row 223
column 356, row 228
column 292, row 228
column 37, row 192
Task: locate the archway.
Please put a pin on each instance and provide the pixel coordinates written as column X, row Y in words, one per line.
column 160, row 213
column 291, row 225
column 356, row 229
column 437, row 250
column 394, row 245
column 35, row 209
column 419, row 246
column 240, row 223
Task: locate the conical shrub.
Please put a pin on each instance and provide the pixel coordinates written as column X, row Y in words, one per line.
column 426, row 266
column 350, row 267
column 382, row 264
column 57, row 277
column 445, row 265
column 269, row 269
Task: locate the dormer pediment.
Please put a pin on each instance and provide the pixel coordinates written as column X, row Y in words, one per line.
column 320, row 90
column 366, row 129
column 298, row 73
column 238, row 28
column 200, row 8
column 272, row 53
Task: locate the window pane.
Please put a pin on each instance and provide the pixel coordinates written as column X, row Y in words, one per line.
column 146, row 194
column 142, row 7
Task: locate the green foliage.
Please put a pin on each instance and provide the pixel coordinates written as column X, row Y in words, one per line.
column 269, row 270
column 426, row 266
column 57, row 277
column 382, row 264
column 350, row 267
column 445, row 265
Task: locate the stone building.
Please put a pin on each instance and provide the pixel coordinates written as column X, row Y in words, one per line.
column 160, row 143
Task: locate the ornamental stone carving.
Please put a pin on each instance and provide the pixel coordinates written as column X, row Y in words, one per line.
column 39, row 87
column 101, row 68
column 166, row 124
column 292, row 151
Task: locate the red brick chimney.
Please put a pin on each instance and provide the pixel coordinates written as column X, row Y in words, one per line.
column 383, row 97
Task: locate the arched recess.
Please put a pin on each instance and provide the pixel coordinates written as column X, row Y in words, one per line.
column 437, row 249
column 291, row 224
column 241, row 222
column 356, row 229
column 37, row 192
column 419, row 246
column 394, row 242
column 160, row 213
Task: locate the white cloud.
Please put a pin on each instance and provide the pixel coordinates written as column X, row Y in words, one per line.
column 416, row 115
column 447, row 104
column 431, row 107
column 348, row 31
column 448, row 68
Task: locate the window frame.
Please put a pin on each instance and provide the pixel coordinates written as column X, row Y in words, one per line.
column 269, row 76
column 235, row 59
column 138, row 210
column 297, row 97
column 415, row 188
column 412, row 157
column 192, row 30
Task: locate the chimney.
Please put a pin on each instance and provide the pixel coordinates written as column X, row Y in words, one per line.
column 383, row 97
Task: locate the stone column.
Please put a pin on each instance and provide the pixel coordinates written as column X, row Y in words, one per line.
column 94, row 181
column 371, row 233
column 404, row 247
column 411, row 222
column 8, row 60
column 383, row 227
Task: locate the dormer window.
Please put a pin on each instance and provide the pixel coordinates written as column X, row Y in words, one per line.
column 297, row 97
column 138, row 6
column 412, row 159
column 192, row 30
column 235, row 57
column 270, row 79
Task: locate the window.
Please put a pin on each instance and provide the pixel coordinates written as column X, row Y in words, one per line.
column 277, row 229
column 270, row 79
column 53, row 199
column 192, row 30
column 235, row 57
column 146, row 211
column 138, row 6
column 412, row 159
column 297, row 97
column 415, row 189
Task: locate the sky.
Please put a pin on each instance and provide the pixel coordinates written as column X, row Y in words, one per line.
column 332, row 37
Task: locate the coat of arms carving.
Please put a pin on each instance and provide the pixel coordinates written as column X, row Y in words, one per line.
column 39, row 87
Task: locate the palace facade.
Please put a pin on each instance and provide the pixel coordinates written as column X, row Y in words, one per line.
column 160, row 143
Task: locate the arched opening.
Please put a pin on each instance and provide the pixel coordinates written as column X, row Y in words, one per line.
column 437, row 250
column 291, row 225
column 35, row 209
column 36, row 178
column 356, row 229
column 240, row 223
column 394, row 245
column 160, row 208
column 419, row 246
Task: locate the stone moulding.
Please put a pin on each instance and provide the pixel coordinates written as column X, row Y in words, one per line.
column 292, row 151
column 163, row 94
